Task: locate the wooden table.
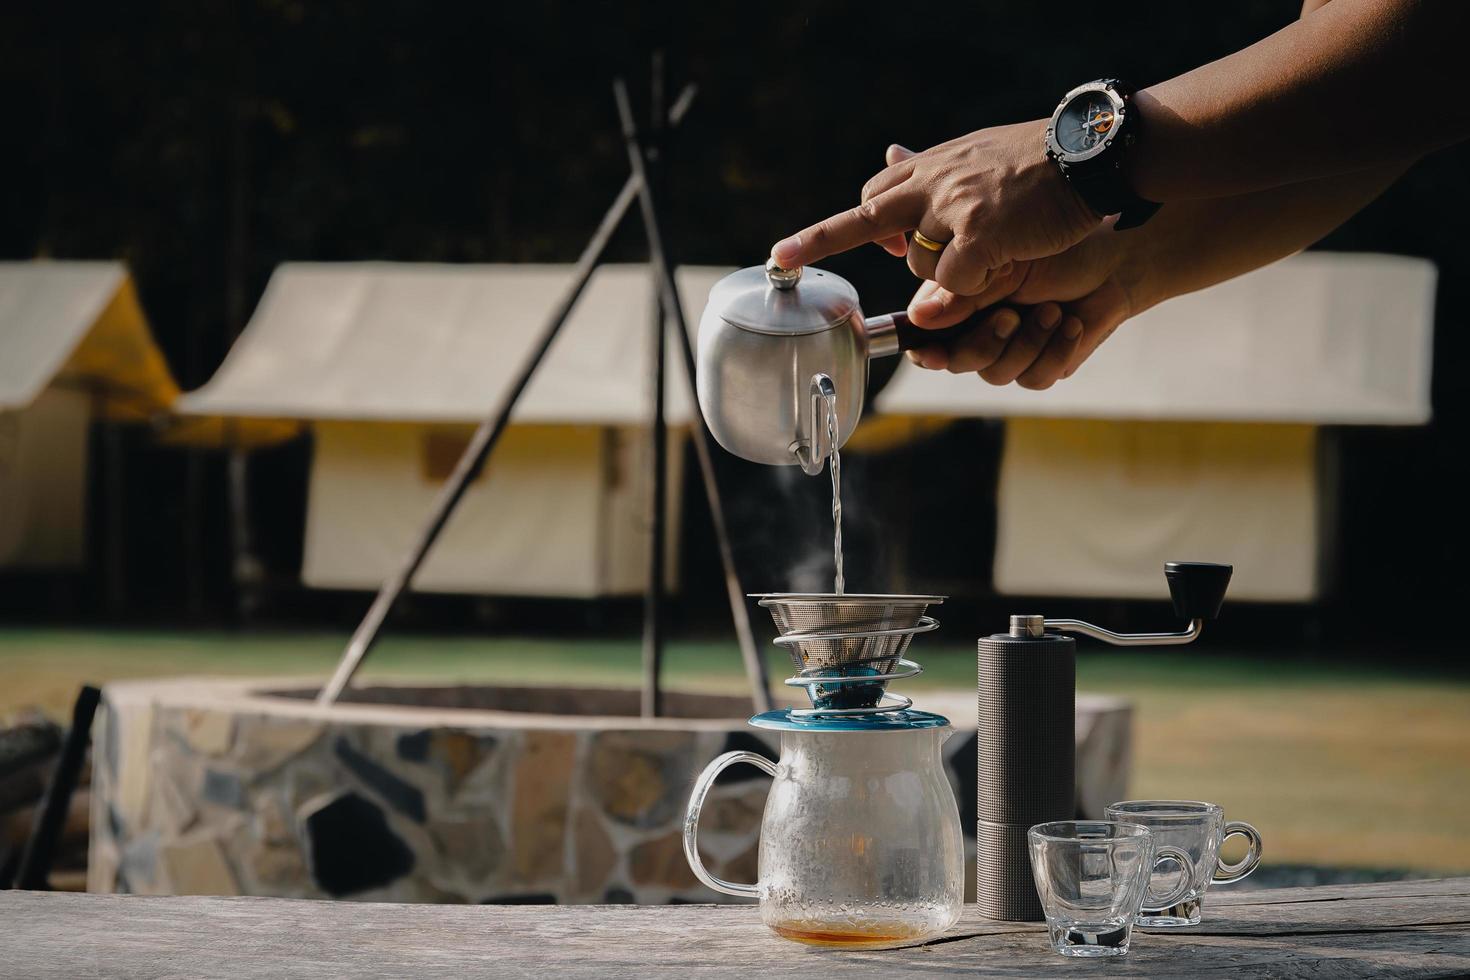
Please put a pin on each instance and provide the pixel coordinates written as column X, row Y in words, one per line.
column 1405, row 929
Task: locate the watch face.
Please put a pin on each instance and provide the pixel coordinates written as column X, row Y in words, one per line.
column 1085, row 122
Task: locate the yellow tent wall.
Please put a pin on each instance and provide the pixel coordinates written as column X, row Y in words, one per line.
column 557, row 512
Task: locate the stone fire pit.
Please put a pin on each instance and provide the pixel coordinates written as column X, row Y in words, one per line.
column 447, row 794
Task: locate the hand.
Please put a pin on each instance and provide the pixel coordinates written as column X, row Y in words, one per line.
column 1081, row 296
column 992, row 196
column 1032, row 347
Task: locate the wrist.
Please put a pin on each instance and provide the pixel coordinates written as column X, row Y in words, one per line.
column 1148, row 171
column 1068, row 209
column 1142, row 263
column 1050, row 175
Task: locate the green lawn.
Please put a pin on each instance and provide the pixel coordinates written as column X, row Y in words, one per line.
column 1347, row 767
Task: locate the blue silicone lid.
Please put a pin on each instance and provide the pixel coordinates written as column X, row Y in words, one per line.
column 888, row 721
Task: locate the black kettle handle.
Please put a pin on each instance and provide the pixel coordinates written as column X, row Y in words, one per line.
column 911, row 337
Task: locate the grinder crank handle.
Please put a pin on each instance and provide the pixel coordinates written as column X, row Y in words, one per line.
column 894, row 332
column 1197, row 588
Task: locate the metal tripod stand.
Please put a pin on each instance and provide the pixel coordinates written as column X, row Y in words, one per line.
column 639, row 185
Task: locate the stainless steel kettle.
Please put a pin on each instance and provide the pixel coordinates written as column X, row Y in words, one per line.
column 776, row 345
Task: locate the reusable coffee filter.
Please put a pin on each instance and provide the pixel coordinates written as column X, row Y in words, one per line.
column 849, row 636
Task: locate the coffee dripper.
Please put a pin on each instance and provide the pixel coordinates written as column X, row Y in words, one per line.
column 860, row 843
column 778, row 346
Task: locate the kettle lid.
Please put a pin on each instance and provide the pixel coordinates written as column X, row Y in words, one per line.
column 783, row 302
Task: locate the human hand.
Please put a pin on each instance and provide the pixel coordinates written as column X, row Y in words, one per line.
column 992, row 198
column 1077, row 299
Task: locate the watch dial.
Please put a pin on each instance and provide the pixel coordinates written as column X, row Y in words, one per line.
column 1085, row 122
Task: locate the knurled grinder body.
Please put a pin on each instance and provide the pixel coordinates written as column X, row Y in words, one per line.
column 1024, row 756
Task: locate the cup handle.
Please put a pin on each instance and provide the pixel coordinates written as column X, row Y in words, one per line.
column 691, row 819
column 1186, row 879
column 1226, row 873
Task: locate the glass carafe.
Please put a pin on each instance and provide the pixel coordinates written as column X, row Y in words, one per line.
column 860, row 843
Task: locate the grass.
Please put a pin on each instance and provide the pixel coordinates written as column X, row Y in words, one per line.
column 1349, row 767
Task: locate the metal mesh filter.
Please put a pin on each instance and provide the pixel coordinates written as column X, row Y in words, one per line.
column 848, row 636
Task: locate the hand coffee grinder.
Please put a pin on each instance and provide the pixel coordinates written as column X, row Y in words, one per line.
column 1026, row 735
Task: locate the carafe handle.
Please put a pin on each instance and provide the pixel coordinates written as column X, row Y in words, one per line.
column 691, row 819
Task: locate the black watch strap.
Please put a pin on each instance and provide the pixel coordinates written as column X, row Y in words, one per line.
column 1106, row 192
column 1136, row 214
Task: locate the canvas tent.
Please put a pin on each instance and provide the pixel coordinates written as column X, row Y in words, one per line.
column 1194, row 432
column 74, row 346
column 391, row 364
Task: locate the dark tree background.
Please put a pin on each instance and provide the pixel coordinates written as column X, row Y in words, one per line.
column 205, row 141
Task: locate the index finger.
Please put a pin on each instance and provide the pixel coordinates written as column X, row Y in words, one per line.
column 889, row 213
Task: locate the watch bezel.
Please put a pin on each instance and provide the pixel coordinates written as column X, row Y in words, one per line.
column 1120, row 110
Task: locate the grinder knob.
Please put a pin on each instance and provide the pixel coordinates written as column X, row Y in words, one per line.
column 1197, row 587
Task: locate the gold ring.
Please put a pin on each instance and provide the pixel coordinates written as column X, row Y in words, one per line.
column 921, row 240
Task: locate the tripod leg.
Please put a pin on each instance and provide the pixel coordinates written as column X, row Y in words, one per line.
column 488, row 434
column 474, row 456
column 653, row 595
column 658, row 489
column 35, row 862
column 755, row 667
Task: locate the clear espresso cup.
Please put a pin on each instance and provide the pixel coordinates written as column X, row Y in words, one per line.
column 1091, row 876
column 1197, row 829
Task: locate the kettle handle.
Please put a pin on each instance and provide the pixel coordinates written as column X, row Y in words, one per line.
column 892, row 333
column 691, row 819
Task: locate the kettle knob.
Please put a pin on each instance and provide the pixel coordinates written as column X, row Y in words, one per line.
column 780, row 277
column 1197, row 587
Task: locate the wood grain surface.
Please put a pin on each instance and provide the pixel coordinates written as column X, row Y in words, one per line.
column 1402, row 929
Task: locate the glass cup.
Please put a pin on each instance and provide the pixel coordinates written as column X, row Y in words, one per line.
column 1198, row 829
column 1091, row 876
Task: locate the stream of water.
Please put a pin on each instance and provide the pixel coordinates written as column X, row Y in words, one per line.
column 834, row 466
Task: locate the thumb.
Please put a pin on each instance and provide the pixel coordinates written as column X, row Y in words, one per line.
column 934, row 307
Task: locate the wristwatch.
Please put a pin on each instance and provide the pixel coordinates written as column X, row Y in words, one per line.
column 1090, row 137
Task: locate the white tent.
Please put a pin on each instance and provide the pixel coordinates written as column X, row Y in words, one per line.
column 1193, row 432
column 392, row 364
column 73, row 343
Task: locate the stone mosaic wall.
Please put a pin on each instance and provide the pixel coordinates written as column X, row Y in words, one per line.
column 203, row 788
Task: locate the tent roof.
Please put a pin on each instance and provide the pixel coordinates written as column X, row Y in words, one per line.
column 47, row 309
column 376, row 341
column 1319, row 337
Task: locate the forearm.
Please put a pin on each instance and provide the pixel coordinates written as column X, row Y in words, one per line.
column 1355, row 84
column 1195, row 244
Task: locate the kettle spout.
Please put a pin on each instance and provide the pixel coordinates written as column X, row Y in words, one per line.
column 812, row 454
